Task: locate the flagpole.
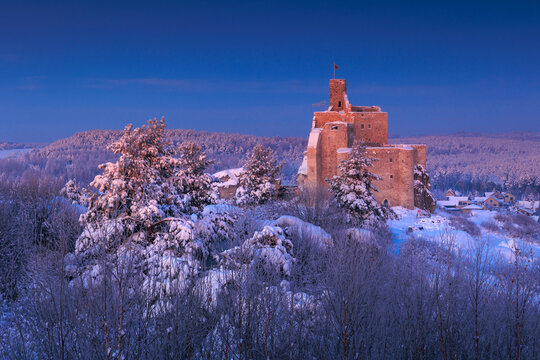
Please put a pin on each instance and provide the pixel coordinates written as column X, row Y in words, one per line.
column 334, row 71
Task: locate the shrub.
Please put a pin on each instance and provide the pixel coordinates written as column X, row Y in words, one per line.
column 464, row 224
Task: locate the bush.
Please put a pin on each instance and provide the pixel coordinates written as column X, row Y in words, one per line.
column 464, row 224
column 490, row 226
column 520, row 226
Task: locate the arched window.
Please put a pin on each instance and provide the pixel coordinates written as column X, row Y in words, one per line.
column 385, row 203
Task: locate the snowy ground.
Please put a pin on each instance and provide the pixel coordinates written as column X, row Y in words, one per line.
column 437, row 228
column 6, row 153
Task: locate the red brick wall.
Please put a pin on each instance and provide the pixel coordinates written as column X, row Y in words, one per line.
column 397, row 185
column 338, row 88
column 375, row 128
column 333, row 137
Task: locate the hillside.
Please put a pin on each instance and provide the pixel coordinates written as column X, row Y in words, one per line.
column 84, row 151
column 473, row 161
column 466, row 161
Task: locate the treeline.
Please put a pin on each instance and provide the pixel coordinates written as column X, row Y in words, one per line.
column 77, row 157
column 472, row 162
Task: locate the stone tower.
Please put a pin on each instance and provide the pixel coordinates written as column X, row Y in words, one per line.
column 334, row 132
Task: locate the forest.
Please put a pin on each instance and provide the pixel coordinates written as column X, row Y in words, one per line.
column 469, row 162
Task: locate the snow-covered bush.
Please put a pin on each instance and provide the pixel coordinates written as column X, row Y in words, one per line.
column 259, row 181
column 353, row 188
column 217, row 224
column 268, row 250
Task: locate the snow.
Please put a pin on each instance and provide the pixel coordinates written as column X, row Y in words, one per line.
column 302, row 170
column 472, row 207
column 304, row 230
column 13, row 152
column 438, row 229
column 229, row 177
column 344, row 150
column 531, row 205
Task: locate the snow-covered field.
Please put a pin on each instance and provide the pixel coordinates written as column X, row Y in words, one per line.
column 438, row 228
column 17, row 152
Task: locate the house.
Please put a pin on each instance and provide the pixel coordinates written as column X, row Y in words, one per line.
column 479, row 200
column 495, row 194
column 509, row 198
column 454, row 202
column 227, row 182
column 530, row 205
column 451, row 192
column 523, row 211
column 494, row 202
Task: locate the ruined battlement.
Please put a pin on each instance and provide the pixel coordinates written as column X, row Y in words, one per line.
column 334, row 132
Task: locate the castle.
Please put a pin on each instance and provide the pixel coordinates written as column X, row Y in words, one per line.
column 334, row 132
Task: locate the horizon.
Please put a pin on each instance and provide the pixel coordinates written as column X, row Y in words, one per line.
column 390, row 135
column 257, row 68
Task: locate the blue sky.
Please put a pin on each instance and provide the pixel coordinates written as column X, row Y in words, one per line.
column 256, row 67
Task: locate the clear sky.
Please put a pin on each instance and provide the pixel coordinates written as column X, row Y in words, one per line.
column 257, row 66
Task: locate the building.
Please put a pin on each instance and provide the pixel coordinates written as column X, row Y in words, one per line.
column 334, row 132
column 493, row 201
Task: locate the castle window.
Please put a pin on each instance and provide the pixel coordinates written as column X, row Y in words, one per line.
column 334, row 127
column 391, row 176
column 391, row 160
column 362, row 126
column 339, row 103
column 369, row 126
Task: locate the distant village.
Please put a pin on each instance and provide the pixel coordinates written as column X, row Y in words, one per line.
column 493, row 200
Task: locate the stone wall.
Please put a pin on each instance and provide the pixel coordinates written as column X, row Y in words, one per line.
column 334, row 133
column 396, row 167
column 338, row 89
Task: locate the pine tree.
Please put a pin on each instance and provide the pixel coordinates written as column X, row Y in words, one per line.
column 191, row 179
column 353, row 188
column 423, row 199
column 259, row 181
column 141, row 207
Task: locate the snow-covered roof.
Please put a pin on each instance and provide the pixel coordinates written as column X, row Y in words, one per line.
column 480, row 198
column 528, row 211
column 496, row 199
column 459, row 198
column 529, row 204
column 229, row 177
column 392, row 147
column 344, row 150
column 446, row 203
column 472, row 207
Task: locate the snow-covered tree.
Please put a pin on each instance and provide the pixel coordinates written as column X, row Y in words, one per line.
column 353, row 188
column 423, row 198
column 142, row 205
column 191, row 179
column 259, row 181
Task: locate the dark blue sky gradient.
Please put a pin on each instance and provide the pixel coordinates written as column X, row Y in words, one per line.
column 256, row 67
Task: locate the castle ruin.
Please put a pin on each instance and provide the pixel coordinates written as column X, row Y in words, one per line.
column 334, row 132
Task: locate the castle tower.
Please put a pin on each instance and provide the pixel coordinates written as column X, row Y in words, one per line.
column 336, row 129
column 338, row 91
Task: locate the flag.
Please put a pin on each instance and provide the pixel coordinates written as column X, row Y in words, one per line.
column 335, row 66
